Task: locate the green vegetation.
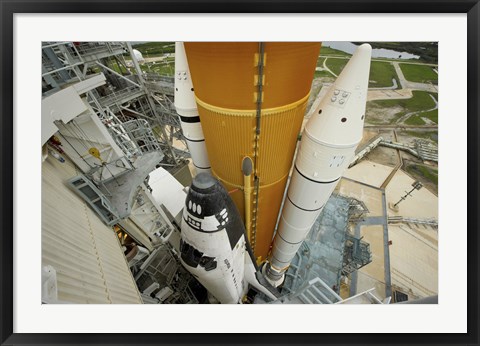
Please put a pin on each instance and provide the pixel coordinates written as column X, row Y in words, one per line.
column 320, row 74
column 118, row 68
column 415, row 120
column 381, row 75
column 425, row 172
column 159, row 67
column 320, row 61
column 421, row 100
column 151, row 49
column 336, row 65
column 330, row 51
column 432, row 135
column 418, row 118
column 419, row 73
column 432, row 115
column 372, row 120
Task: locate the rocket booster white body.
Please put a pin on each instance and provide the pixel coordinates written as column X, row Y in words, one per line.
column 187, row 109
column 328, row 145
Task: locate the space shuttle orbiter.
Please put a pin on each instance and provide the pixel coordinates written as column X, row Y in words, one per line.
column 213, row 246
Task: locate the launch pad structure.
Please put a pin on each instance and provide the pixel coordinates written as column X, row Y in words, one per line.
column 114, row 134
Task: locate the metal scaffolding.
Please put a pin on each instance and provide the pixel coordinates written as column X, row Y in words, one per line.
column 130, row 98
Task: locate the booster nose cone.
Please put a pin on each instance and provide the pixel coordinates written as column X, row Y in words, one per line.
column 339, row 117
column 356, row 72
column 365, row 48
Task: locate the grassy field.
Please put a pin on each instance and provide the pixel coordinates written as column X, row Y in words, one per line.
column 381, row 74
column 415, row 120
column 432, row 115
column 118, row 68
column 389, row 111
column 165, row 69
column 320, row 61
column 336, row 65
column 320, row 74
column 152, row 49
column 419, row 73
column 425, row 172
column 421, row 100
column 330, row 51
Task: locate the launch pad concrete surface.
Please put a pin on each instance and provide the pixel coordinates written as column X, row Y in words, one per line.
column 406, row 257
column 321, row 255
column 363, row 172
column 414, row 259
column 422, row 204
column 371, row 228
column 373, row 274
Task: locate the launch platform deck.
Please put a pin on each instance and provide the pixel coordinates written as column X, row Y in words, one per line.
column 321, row 255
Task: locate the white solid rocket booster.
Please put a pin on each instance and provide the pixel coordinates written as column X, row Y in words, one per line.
column 187, row 109
column 328, row 145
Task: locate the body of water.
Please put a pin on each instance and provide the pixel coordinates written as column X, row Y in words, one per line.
column 349, row 47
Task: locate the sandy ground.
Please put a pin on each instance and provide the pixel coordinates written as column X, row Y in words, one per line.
column 374, row 272
column 385, row 156
column 368, row 136
column 368, row 195
column 381, row 116
column 366, row 282
column 414, row 260
column 362, row 171
column 423, row 204
column 389, row 94
column 414, row 248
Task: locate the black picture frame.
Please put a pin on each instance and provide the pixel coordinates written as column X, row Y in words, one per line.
column 9, row 7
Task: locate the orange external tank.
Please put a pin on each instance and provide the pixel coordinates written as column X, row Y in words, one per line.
column 251, row 99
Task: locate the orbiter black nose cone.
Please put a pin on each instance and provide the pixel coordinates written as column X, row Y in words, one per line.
column 209, row 208
column 203, row 181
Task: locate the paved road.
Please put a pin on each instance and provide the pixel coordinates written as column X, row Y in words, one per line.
column 393, row 87
column 369, row 221
column 412, row 85
column 382, row 60
column 327, row 69
column 408, row 115
column 391, row 92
